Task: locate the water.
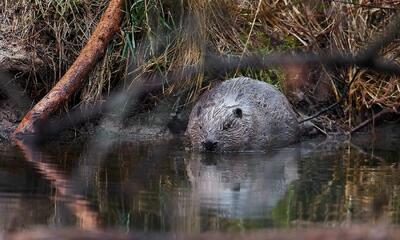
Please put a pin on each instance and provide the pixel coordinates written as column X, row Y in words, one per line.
column 160, row 187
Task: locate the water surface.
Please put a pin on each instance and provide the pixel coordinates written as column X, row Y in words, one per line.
column 160, row 187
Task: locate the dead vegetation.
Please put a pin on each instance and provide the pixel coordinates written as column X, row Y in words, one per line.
column 161, row 36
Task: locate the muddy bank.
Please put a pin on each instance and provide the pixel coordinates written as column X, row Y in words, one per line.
column 10, row 117
column 13, row 105
column 164, row 120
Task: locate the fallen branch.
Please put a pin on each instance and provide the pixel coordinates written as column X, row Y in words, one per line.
column 73, row 78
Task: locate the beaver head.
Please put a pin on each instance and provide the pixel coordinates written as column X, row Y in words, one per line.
column 223, row 125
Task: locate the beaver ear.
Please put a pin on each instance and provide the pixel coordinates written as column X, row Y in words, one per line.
column 238, row 113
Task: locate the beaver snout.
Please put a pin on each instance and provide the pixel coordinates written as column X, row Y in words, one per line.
column 210, row 145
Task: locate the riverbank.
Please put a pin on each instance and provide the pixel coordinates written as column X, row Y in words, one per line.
column 38, row 43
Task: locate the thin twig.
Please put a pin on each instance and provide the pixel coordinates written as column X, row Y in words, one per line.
column 250, row 33
column 373, row 118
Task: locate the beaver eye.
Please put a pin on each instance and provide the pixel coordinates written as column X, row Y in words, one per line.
column 238, row 113
column 226, row 126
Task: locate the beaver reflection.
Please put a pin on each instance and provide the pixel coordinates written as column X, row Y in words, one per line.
column 241, row 185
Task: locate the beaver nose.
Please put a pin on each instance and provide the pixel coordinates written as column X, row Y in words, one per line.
column 210, row 145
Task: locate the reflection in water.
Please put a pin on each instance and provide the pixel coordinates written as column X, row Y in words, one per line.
column 231, row 188
column 86, row 217
column 160, row 187
column 241, row 185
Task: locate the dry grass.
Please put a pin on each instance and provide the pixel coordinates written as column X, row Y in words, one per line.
column 333, row 26
column 174, row 35
column 56, row 31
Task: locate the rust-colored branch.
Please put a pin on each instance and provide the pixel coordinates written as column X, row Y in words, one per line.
column 73, row 78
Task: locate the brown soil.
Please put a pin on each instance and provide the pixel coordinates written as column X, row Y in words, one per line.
column 9, row 118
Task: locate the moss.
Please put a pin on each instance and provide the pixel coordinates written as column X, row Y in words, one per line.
column 289, row 42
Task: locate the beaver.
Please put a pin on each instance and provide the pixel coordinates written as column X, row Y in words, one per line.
column 242, row 114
